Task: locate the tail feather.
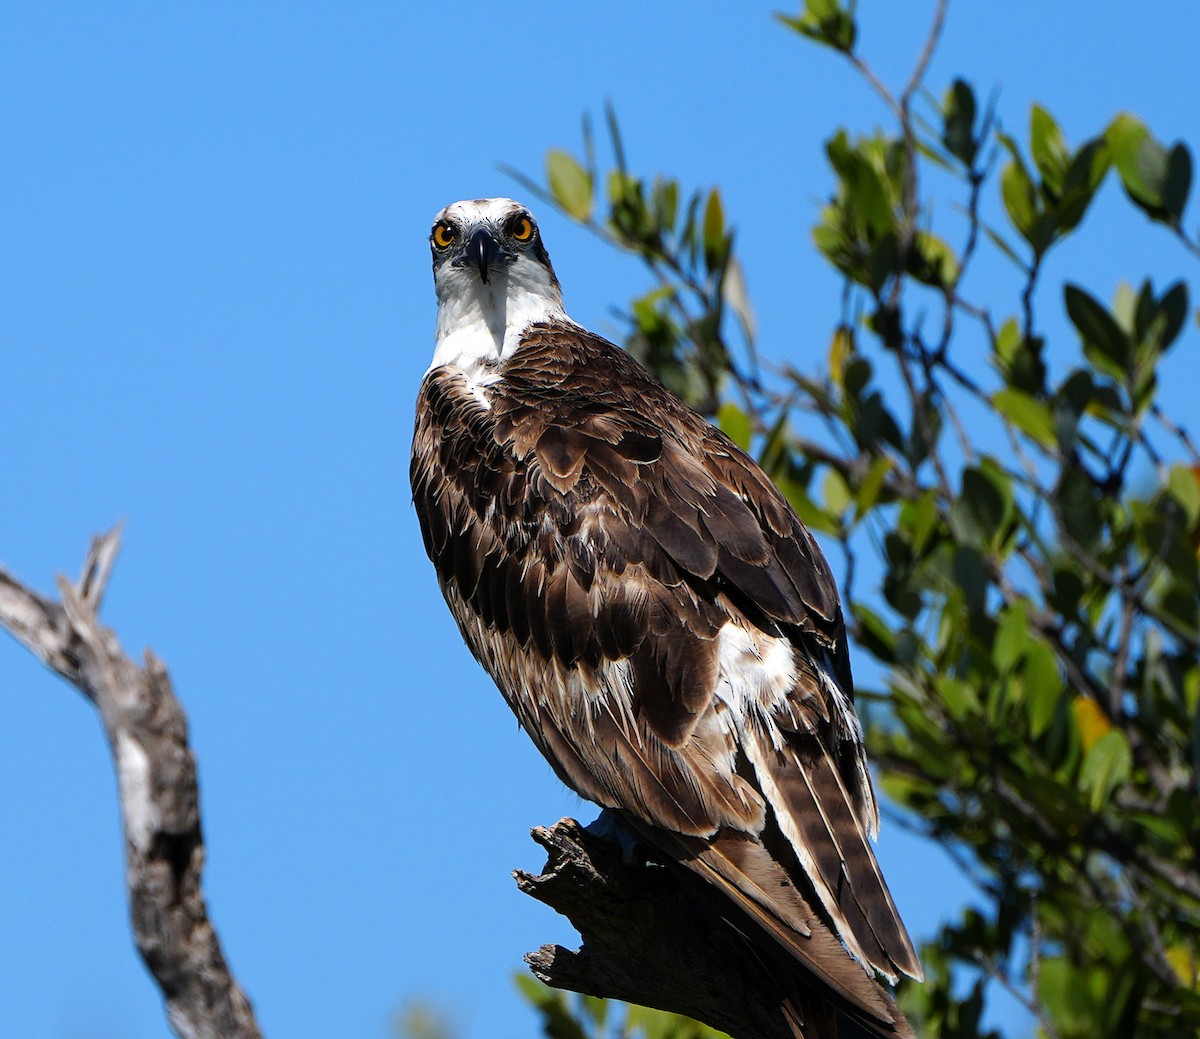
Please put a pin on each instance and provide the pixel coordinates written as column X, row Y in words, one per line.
column 814, row 812
column 744, row 872
column 816, row 816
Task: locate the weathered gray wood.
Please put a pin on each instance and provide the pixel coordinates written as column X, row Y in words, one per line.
column 650, row 937
column 160, row 802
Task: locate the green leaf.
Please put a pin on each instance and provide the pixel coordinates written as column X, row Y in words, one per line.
column 826, row 22
column 932, row 261
column 595, row 1010
column 1105, row 767
column 1017, row 191
column 1012, row 637
column 970, row 576
column 1029, row 415
column 1071, row 400
column 1019, row 359
column 1064, row 992
column 1066, row 589
column 811, row 514
column 857, row 375
column 1183, row 482
column 628, row 208
column 1178, row 184
column 1042, row 684
column 424, row 1019
column 874, row 634
column 1078, row 506
column 1140, row 160
column 570, row 184
column 1098, row 329
column 715, row 245
column 919, row 520
column 875, row 422
column 959, row 122
column 959, row 698
column 841, row 349
column 1088, row 166
column 660, row 1024
column 982, row 508
column 558, row 1021
column 664, row 196
column 836, row 492
column 1157, row 179
column 1049, row 148
column 1173, row 308
column 871, row 486
column 735, row 423
column 1162, row 527
column 1007, row 341
column 867, row 194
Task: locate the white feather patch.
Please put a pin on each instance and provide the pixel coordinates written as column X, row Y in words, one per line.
column 757, row 674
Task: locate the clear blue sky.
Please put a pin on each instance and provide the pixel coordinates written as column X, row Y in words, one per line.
column 215, row 309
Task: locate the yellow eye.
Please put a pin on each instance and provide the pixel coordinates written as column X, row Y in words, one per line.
column 522, row 229
column 443, row 235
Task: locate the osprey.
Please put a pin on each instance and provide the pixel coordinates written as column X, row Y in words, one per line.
column 662, row 624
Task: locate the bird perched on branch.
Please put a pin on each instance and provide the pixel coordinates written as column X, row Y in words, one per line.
column 660, row 621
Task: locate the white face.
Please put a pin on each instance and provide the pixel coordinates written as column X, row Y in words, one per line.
column 493, row 279
column 516, row 252
column 492, row 212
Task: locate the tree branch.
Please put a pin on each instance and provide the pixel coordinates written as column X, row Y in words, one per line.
column 652, row 936
column 160, row 802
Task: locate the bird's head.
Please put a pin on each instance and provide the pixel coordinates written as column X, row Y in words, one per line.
column 477, row 241
column 493, row 278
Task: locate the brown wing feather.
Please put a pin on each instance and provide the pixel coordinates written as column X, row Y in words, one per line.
column 594, row 538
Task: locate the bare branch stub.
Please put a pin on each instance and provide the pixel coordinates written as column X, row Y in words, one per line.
column 160, row 803
column 650, row 936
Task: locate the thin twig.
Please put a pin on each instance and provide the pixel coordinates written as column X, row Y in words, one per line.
column 922, row 65
column 1020, row 993
column 1178, row 431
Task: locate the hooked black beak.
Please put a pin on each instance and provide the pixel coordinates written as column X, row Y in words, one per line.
column 482, row 250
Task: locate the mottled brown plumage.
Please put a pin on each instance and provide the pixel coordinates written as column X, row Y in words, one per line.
column 669, row 634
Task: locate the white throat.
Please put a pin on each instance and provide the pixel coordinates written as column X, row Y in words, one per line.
column 479, row 326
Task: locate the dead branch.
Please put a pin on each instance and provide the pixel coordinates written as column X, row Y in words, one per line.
column 160, row 802
column 650, row 938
